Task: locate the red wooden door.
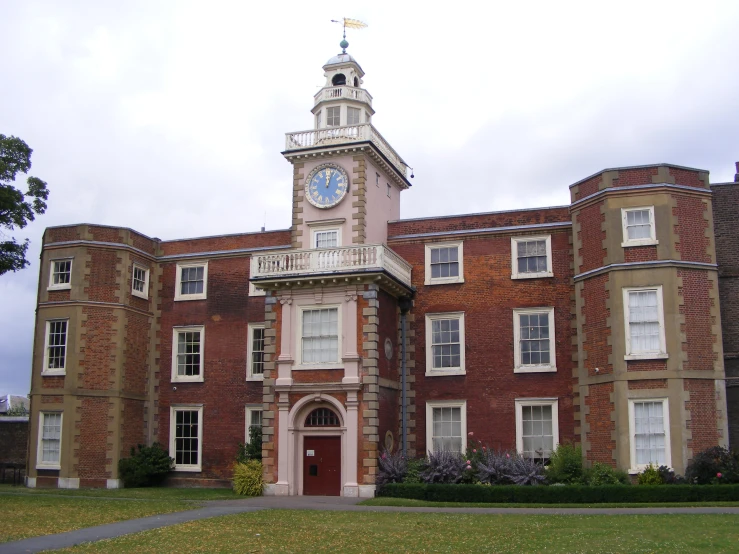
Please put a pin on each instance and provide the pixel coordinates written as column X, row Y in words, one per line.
column 322, row 466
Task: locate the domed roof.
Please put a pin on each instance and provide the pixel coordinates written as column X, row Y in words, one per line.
column 341, row 59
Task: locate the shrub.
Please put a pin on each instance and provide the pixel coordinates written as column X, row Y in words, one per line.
column 706, row 467
column 525, row 471
column 669, row 477
column 493, row 468
column 247, row 480
column 565, row 465
column 650, row 476
column 253, row 449
column 571, row 494
column 603, row 474
column 414, row 468
column 146, row 468
column 444, row 467
column 392, row 468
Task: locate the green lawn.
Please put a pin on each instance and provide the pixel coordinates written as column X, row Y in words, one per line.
column 25, row 515
column 150, row 493
column 411, row 503
column 345, row 532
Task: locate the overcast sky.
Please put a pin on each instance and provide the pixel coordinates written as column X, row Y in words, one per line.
column 169, row 116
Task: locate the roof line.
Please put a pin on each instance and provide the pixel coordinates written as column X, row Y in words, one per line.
column 480, row 213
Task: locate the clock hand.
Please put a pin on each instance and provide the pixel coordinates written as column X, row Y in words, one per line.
column 328, row 177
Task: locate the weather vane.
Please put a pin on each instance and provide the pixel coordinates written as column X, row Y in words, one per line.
column 352, row 24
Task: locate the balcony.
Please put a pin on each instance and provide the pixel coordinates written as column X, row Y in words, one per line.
column 346, row 260
column 335, row 136
column 342, row 93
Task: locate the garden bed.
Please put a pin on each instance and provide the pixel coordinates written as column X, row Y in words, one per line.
column 568, row 494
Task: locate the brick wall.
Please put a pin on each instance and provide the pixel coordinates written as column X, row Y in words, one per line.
column 488, row 297
column 13, row 440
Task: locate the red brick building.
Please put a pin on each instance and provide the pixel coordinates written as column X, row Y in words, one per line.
column 596, row 323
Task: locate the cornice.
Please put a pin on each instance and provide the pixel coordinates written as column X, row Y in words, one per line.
column 624, row 191
column 484, row 231
column 644, row 265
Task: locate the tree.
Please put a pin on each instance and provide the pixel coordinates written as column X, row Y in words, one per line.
column 17, row 208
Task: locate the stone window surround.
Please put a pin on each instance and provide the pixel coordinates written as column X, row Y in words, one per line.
column 544, row 368
column 145, row 293
column 430, row 405
column 430, row 371
column 52, row 265
column 45, row 371
column 460, row 260
column 520, row 403
column 249, row 352
column 633, row 467
column 178, row 284
column 172, row 428
column 514, row 257
column 39, row 446
column 662, row 354
column 175, row 334
column 627, row 242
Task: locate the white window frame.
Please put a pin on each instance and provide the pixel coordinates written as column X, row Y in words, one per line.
column 514, row 257
column 145, row 293
column 430, row 371
column 518, row 367
column 59, row 370
column 314, row 236
column 331, row 117
column 178, row 296
column 656, row 355
column 460, row 260
column 60, row 286
column 251, row 408
column 358, row 114
column 175, row 334
column 39, row 444
column 299, row 338
column 250, row 376
column 430, row 405
column 652, row 230
column 636, row 468
column 520, row 403
column 172, row 429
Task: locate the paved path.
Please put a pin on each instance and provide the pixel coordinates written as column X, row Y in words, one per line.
column 217, row 508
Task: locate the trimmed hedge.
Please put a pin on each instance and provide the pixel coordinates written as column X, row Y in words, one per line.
column 569, row 494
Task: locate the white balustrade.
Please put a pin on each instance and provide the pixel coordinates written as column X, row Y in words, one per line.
column 351, row 93
column 323, row 261
column 341, row 135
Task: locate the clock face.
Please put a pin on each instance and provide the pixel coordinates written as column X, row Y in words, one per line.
column 326, row 185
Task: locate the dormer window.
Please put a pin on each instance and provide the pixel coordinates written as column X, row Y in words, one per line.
column 339, row 80
column 333, row 116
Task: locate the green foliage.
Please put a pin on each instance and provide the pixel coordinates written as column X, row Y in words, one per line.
column 247, row 479
column 565, row 465
column 253, row 449
column 650, row 476
column 146, row 468
column 414, row 467
column 15, row 412
column 603, row 474
column 715, row 465
column 15, row 210
column 570, row 494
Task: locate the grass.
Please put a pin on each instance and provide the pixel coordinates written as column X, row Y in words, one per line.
column 412, row 503
column 346, row 532
column 27, row 515
column 150, row 493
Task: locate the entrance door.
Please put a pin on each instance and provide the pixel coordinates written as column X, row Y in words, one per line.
column 322, row 466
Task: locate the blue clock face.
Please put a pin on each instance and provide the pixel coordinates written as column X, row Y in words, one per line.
column 326, row 185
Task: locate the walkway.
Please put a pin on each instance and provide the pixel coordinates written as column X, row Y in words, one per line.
column 217, row 508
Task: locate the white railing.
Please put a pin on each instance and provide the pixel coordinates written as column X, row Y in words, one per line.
column 323, row 261
column 347, row 134
column 343, row 92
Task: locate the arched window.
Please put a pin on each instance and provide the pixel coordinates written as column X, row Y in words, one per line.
column 338, row 80
column 356, row 81
column 322, row 417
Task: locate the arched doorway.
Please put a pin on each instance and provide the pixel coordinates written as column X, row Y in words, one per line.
column 322, row 453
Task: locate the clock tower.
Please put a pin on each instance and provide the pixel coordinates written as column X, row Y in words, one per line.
column 331, row 373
